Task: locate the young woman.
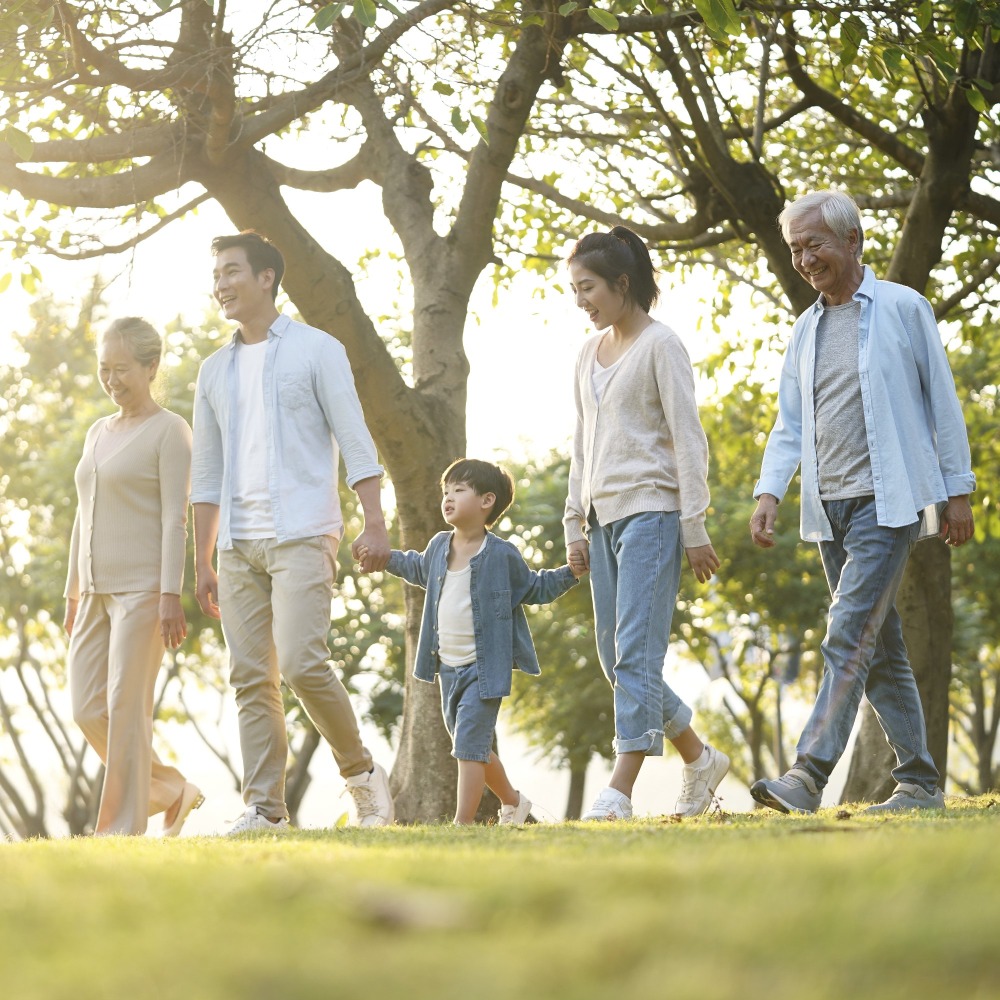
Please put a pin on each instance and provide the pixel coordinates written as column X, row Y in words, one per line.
column 638, row 494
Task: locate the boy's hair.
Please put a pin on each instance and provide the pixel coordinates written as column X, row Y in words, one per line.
column 483, row 477
column 261, row 254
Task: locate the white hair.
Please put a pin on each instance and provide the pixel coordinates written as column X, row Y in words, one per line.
column 838, row 211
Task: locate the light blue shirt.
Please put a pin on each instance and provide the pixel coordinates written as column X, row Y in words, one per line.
column 916, row 434
column 312, row 413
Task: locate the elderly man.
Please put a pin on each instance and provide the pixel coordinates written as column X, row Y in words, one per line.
column 867, row 406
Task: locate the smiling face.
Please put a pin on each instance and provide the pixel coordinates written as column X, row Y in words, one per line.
column 826, row 261
column 123, row 378
column 243, row 295
column 463, row 507
column 603, row 303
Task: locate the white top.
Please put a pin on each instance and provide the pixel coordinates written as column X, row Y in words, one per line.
column 456, row 637
column 251, row 511
column 601, row 376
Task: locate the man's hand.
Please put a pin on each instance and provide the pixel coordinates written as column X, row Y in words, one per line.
column 703, row 561
column 371, row 549
column 207, row 590
column 957, row 525
column 762, row 522
column 578, row 557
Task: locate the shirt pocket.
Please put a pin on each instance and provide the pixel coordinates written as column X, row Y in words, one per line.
column 295, row 390
column 501, row 604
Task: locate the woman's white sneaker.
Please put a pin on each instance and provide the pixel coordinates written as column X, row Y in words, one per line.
column 609, row 805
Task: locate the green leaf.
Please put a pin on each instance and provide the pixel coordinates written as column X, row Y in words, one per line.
column 391, row 7
column 458, row 122
column 364, row 11
column 164, row 4
column 324, row 17
column 966, row 17
column 852, row 34
column 20, row 142
column 441, row 87
column 893, row 59
column 5, row 282
column 724, row 12
column 481, row 128
column 567, row 8
column 29, row 282
column 975, row 97
column 925, row 15
column 607, row 21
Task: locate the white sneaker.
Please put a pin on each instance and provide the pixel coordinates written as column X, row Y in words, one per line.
column 371, row 798
column 253, row 822
column 609, row 805
column 700, row 783
column 515, row 815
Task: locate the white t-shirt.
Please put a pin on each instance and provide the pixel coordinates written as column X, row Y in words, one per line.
column 251, row 515
column 456, row 636
column 601, row 376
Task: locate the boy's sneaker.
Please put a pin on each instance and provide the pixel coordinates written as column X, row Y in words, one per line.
column 610, row 805
column 515, row 815
column 253, row 822
column 371, row 798
column 907, row 796
column 792, row 792
column 700, row 783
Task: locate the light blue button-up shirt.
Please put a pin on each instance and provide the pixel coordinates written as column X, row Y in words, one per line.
column 916, row 434
column 312, row 413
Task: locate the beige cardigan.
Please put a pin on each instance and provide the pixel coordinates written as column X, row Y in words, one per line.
column 642, row 448
column 130, row 530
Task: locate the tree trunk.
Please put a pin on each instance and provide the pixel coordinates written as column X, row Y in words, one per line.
column 924, row 603
column 577, row 780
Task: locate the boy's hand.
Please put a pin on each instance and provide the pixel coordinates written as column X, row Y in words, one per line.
column 703, row 560
column 578, row 557
column 374, row 543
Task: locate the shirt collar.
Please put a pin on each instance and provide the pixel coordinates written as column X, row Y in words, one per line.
column 865, row 290
column 278, row 328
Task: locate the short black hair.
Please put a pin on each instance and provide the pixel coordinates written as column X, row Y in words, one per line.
column 261, row 253
column 616, row 255
column 483, row 477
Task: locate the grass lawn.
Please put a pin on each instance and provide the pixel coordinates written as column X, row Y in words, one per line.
column 749, row 905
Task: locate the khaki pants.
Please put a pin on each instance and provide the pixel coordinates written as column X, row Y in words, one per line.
column 114, row 656
column 275, row 603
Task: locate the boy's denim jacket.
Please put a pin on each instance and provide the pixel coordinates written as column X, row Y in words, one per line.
column 501, row 582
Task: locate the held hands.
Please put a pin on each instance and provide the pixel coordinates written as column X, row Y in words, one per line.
column 371, row 550
column 173, row 627
column 578, row 557
column 762, row 522
column 957, row 525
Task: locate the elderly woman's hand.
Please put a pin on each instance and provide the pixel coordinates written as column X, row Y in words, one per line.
column 69, row 619
column 173, row 627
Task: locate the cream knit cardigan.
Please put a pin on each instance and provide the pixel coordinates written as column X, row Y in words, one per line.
column 130, row 530
column 642, row 448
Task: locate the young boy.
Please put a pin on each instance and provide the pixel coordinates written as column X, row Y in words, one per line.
column 474, row 631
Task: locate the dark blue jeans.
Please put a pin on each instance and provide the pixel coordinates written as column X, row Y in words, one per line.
column 863, row 652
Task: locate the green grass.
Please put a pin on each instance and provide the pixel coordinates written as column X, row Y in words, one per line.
column 749, row 905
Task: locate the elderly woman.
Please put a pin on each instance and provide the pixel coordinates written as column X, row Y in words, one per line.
column 126, row 567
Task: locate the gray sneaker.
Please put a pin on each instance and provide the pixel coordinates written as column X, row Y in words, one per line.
column 792, row 792
column 907, row 796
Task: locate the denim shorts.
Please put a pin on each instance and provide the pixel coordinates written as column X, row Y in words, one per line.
column 470, row 720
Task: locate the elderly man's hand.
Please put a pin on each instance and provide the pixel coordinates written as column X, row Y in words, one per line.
column 957, row 525
column 762, row 522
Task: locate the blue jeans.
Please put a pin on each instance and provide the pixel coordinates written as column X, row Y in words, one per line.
column 470, row 720
column 863, row 652
column 635, row 569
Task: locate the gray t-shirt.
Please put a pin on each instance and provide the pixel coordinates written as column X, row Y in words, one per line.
column 845, row 468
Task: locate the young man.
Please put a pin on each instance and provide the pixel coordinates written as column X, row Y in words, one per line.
column 274, row 408
column 867, row 407
column 474, row 631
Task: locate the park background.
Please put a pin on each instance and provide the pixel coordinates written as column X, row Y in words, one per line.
column 425, row 167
